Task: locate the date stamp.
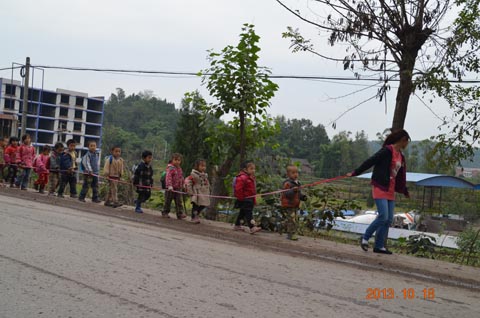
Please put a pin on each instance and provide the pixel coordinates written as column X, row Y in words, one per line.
column 405, row 293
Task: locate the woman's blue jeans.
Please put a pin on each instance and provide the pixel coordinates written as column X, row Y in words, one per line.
column 382, row 223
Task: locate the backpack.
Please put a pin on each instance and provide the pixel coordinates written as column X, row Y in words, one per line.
column 134, row 167
column 163, row 179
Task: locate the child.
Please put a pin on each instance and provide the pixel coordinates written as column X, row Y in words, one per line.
column 174, row 182
column 3, row 146
column 90, row 169
column 245, row 192
column 68, row 168
column 41, row 166
column 12, row 160
column 113, row 171
column 198, row 188
column 143, row 180
column 26, row 154
column 291, row 201
column 55, row 158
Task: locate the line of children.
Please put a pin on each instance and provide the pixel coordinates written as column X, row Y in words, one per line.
column 41, row 166
column 59, row 167
column 113, row 171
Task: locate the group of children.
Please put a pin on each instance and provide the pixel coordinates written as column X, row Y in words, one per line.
column 58, row 168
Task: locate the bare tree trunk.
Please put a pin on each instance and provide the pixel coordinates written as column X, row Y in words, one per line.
column 218, row 186
column 404, row 91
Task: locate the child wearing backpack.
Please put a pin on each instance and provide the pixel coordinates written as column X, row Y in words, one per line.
column 143, row 180
column 291, row 201
column 174, row 183
column 198, row 187
column 41, row 165
column 54, row 162
column 26, row 154
column 90, row 169
column 68, row 168
column 113, row 170
column 245, row 192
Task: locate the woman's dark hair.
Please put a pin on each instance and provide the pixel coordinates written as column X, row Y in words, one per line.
column 245, row 164
column 146, row 153
column 197, row 163
column 396, row 137
column 12, row 139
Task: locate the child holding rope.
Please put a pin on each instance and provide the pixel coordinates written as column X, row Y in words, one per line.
column 245, row 192
column 174, row 182
column 113, row 171
column 41, row 167
column 26, row 154
column 55, row 158
column 68, row 168
column 12, row 159
column 291, row 201
column 143, row 180
column 198, row 187
column 90, row 169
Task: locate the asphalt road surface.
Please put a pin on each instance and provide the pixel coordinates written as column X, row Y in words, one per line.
column 57, row 262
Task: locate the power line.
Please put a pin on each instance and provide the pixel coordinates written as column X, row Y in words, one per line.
column 273, row 76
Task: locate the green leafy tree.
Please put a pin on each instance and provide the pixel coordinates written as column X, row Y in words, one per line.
column 239, row 85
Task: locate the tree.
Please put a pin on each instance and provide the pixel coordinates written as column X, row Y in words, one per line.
column 239, row 85
column 192, row 130
column 411, row 41
column 243, row 88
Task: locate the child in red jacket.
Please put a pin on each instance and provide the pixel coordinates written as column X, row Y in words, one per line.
column 12, row 159
column 245, row 192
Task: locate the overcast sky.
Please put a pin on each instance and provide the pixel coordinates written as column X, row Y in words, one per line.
column 174, row 36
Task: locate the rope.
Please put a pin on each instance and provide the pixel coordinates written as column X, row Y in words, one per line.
column 309, row 185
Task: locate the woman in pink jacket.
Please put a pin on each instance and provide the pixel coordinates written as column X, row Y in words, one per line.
column 26, row 154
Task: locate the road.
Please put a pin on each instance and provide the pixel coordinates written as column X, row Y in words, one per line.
column 58, row 262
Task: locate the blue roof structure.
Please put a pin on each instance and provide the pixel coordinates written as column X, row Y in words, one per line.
column 433, row 180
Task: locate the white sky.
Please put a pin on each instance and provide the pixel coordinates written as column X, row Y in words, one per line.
column 174, row 36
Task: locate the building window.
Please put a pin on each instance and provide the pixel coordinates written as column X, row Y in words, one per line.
column 78, row 114
column 9, row 103
column 77, row 126
column 63, row 112
column 79, row 101
column 65, row 99
column 10, row 89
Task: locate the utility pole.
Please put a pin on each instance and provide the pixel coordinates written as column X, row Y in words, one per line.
column 25, row 97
